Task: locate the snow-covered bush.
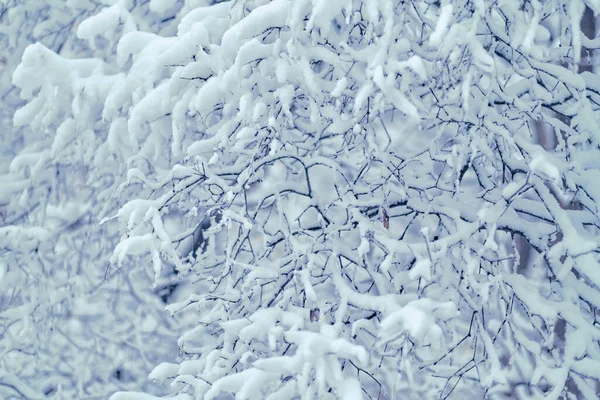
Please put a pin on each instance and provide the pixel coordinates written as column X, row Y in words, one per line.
column 347, row 187
column 70, row 327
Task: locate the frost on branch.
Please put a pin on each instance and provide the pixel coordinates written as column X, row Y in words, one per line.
column 379, row 162
column 302, row 123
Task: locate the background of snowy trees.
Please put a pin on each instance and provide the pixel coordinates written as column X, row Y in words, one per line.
column 333, row 199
